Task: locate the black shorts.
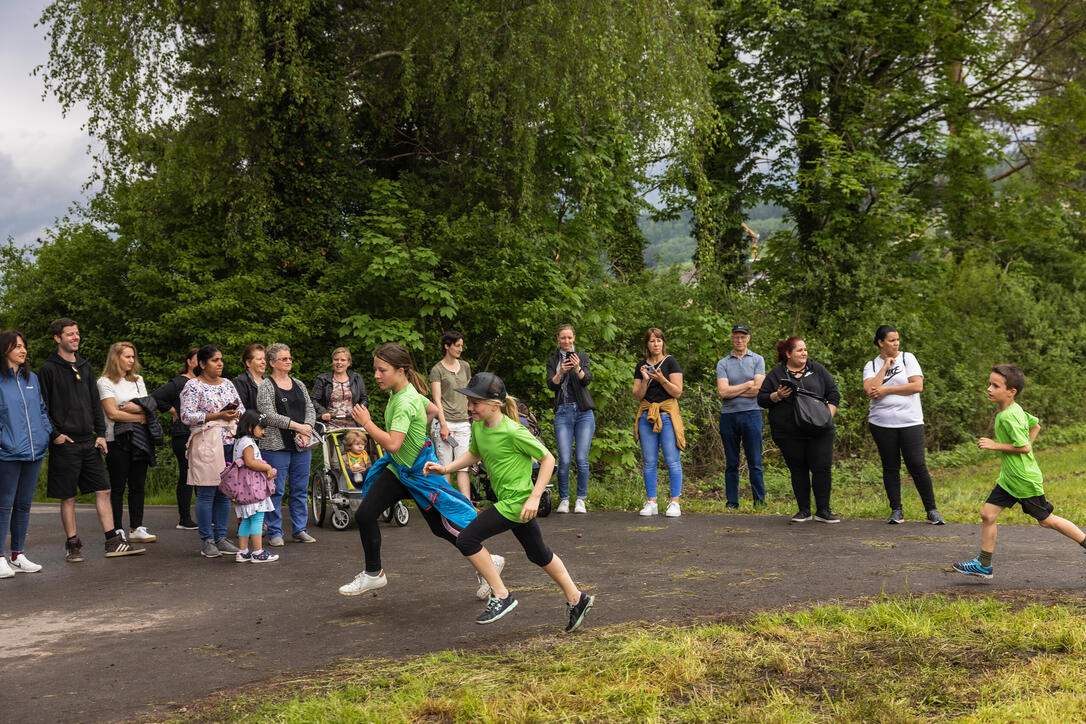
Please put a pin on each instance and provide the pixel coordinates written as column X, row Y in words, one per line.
column 1036, row 506
column 75, row 467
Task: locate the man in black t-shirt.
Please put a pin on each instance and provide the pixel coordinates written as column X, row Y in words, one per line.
column 78, row 441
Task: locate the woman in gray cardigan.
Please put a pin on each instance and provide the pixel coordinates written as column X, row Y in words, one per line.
column 285, row 402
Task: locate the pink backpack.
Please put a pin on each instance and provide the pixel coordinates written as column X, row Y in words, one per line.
column 244, row 485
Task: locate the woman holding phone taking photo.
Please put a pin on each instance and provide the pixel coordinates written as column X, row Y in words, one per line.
column 658, row 384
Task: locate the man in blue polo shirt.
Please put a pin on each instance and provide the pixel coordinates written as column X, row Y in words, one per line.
column 738, row 378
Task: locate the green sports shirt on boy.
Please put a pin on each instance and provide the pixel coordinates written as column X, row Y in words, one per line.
column 1020, row 475
column 507, row 450
column 406, row 413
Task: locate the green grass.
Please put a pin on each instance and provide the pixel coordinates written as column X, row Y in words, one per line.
column 898, row 659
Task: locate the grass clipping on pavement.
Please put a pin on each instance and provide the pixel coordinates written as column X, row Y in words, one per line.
column 899, row 659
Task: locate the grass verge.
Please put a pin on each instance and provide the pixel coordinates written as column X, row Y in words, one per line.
column 898, row 659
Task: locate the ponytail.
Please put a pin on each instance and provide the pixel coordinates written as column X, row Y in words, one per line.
column 395, row 355
column 509, row 407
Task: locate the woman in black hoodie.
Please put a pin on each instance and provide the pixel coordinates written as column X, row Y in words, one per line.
column 809, row 455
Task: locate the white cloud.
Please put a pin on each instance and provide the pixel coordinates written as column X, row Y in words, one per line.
column 43, row 159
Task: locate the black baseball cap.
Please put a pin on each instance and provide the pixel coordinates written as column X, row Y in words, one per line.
column 740, row 329
column 484, row 386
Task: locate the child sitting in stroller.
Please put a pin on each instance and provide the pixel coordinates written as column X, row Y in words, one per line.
column 358, row 459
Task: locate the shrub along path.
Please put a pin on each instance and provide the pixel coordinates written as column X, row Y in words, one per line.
column 141, row 636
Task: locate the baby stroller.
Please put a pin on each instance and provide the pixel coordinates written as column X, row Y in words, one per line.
column 336, row 491
column 481, row 488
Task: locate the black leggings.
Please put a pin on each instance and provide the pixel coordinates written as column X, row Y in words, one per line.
column 490, row 523
column 908, row 442
column 809, row 461
column 124, row 471
column 184, row 490
column 385, row 491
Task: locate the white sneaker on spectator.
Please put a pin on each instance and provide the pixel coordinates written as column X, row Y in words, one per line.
column 650, row 509
column 579, row 506
column 5, row 569
column 483, row 592
column 364, row 582
column 673, row 509
column 142, row 535
column 22, row 564
column 563, row 506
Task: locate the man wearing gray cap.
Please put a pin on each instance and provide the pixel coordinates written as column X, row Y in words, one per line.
column 738, row 378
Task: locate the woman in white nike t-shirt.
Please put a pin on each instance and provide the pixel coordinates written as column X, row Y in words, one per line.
column 893, row 382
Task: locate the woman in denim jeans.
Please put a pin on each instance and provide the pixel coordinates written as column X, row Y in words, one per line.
column 568, row 375
column 658, row 384
column 24, row 438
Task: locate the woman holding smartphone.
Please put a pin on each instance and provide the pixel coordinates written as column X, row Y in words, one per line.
column 568, row 375
column 658, row 384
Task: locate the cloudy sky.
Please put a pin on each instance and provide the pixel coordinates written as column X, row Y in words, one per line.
column 43, row 155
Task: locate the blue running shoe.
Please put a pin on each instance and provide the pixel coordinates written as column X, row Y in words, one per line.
column 973, row 568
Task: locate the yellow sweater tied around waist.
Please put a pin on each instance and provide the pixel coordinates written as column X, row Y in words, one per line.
column 671, row 407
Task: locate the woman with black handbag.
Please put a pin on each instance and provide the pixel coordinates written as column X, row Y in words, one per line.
column 799, row 393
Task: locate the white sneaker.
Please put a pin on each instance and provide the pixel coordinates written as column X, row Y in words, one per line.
column 563, row 506
column 5, row 569
column 483, row 592
column 364, row 582
column 649, row 509
column 578, row 507
column 142, row 535
column 22, row 564
column 673, row 509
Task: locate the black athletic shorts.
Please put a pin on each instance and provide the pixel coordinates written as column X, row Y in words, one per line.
column 75, row 467
column 1036, row 506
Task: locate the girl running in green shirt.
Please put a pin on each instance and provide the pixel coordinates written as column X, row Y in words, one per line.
column 507, row 449
column 398, row 474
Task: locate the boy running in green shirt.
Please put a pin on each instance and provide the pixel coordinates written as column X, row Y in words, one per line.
column 1020, row 479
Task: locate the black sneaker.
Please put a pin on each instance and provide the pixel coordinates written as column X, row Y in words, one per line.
column 73, row 550
column 186, row 524
column 825, row 516
column 934, row 518
column 731, row 506
column 801, row 517
column 896, row 516
column 576, row 613
column 496, row 608
column 118, row 545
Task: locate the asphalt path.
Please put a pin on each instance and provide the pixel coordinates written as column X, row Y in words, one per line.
column 142, row 636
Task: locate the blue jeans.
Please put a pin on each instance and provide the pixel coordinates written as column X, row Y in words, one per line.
column 570, row 424
column 212, row 512
column 291, row 470
column 18, row 479
column 746, row 428
column 651, row 445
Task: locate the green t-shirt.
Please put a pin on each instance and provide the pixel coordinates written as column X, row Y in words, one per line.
column 406, row 413
column 507, row 450
column 1020, row 476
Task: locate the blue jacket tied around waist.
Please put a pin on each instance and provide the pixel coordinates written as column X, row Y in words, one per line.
column 24, row 422
column 429, row 491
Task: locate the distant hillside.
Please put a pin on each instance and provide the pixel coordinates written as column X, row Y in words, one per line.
column 671, row 242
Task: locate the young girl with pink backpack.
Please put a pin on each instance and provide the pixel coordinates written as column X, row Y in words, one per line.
column 249, row 483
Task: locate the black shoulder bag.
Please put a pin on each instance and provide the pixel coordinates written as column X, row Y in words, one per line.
column 812, row 412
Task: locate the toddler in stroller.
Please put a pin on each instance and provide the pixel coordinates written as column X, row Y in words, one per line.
column 337, row 489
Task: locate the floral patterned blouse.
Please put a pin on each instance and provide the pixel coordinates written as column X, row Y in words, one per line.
column 199, row 399
column 339, row 404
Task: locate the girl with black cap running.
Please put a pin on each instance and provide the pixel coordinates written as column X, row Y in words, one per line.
column 507, row 449
column 399, row 474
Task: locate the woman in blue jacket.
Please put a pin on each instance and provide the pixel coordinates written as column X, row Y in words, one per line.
column 24, row 438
